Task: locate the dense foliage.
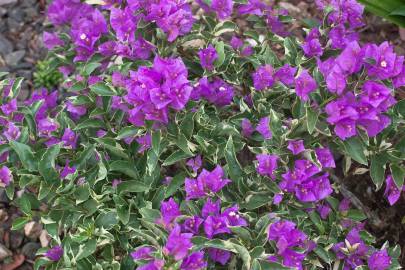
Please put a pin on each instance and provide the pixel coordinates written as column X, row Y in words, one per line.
column 205, row 136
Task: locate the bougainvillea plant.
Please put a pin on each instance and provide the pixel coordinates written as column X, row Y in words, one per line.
column 182, row 139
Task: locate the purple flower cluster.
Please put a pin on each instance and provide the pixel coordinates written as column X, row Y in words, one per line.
column 153, row 91
column 66, row 11
column 288, row 238
column 312, row 46
column 267, row 165
column 265, row 76
column 207, row 57
column 206, row 183
column 263, row 128
column 296, row 146
column 392, row 192
column 365, row 110
column 174, row 17
column 306, row 182
column 178, row 245
column 345, row 18
column 379, row 260
column 355, row 252
column 304, row 85
column 5, row 176
column 86, row 31
column 55, row 253
column 222, row 8
column 216, row 91
column 88, row 25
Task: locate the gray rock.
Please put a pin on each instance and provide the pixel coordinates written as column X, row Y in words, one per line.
column 16, row 239
column 17, row 14
column 3, row 215
column 4, row 253
column 14, row 58
column 2, row 231
column 33, row 230
column 29, row 3
column 30, row 249
column 31, row 13
column 44, row 238
column 6, row 46
column 13, row 25
column 3, row 11
column 3, row 196
column 7, row 2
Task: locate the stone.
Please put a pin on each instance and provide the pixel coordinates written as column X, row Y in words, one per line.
column 4, row 252
column 17, row 14
column 3, row 196
column 7, row 2
column 3, row 215
column 292, row 9
column 32, row 230
column 30, row 249
column 44, row 238
column 16, row 239
column 3, row 11
column 6, row 46
column 13, row 25
column 14, row 58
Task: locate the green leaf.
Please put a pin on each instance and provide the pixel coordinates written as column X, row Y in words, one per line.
column 175, row 157
column 256, row 200
column 290, row 49
column 398, row 175
column 90, row 123
column 26, row 155
column 400, row 107
column 225, row 27
column 242, row 233
column 101, row 89
column 24, row 204
column 156, row 141
column 19, row 223
column 123, row 209
column 312, row 118
column 90, row 67
column 106, row 220
column 125, row 167
column 226, row 245
column 132, row 186
column 10, row 190
column 85, row 250
column 399, row 11
column 15, row 89
column 84, row 156
column 356, row 215
column 128, row 132
column 44, row 190
column 355, row 148
column 78, row 86
column 46, row 165
column 316, row 219
column 187, row 125
column 40, row 262
column 152, row 161
column 377, row 170
column 220, row 48
column 175, row 184
column 235, row 170
column 267, row 265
